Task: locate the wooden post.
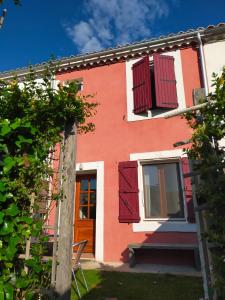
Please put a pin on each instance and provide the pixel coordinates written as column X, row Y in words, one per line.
column 63, row 273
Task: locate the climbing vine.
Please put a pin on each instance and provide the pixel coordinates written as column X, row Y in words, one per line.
column 32, row 117
column 208, row 150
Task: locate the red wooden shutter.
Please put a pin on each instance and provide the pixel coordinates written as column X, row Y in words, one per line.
column 188, row 190
column 165, row 82
column 142, row 86
column 128, row 192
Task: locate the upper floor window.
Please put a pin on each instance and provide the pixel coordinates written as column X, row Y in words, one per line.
column 155, row 86
column 78, row 81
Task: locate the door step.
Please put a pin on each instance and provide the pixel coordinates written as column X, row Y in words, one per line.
column 84, row 256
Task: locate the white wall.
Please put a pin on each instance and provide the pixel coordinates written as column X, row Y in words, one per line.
column 214, row 60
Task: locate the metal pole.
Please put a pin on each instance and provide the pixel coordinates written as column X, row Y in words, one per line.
column 27, row 252
column 200, row 238
column 203, row 67
column 185, row 110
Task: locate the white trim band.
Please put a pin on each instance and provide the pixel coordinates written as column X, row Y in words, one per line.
column 97, row 166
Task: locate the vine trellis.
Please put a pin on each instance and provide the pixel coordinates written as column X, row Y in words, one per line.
column 32, row 117
column 208, row 150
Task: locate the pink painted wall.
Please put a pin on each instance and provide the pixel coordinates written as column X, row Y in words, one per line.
column 115, row 138
column 190, row 67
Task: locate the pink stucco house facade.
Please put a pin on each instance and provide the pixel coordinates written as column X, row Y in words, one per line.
column 130, row 187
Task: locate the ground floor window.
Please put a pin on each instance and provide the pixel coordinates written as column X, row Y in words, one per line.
column 162, row 190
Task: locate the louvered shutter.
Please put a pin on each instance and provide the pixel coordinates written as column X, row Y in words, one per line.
column 128, row 192
column 142, row 86
column 188, row 190
column 165, row 81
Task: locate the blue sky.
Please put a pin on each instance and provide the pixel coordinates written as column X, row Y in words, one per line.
column 41, row 28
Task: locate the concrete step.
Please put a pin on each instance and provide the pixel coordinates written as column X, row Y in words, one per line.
column 141, row 268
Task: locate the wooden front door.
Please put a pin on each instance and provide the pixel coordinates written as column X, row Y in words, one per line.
column 85, row 210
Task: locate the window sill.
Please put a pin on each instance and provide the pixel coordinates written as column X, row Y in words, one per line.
column 164, row 226
column 153, row 114
column 164, row 220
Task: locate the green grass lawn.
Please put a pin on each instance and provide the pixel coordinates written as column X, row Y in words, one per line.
column 135, row 286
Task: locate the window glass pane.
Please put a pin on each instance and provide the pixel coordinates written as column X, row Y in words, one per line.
column 93, row 184
column 92, row 212
column 83, row 212
column 83, row 198
column 84, row 184
column 173, row 199
column 93, row 198
column 151, row 191
column 79, row 85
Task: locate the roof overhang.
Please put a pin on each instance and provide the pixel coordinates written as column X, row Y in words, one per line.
column 121, row 53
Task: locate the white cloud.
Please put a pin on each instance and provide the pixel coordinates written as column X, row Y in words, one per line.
column 116, row 21
column 82, row 35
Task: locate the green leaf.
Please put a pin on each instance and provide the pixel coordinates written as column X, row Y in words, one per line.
column 25, row 219
column 5, row 129
column 18, row 144
column 1, row 217
column 29, row 141
column 4, row 148
column 22, row 283
column 9, row 162
column 30, row 262
column 12, row 247
column 34, row 265
column 2, row 294
column 2, row 186
column 10, row 252
column 8, row 265
column 22, row 139
column 9, row 195
column 6, row 228
column 14, row 241
column 2, row 197
column 12, row 210
column 30, row 296
column 26, row 233
column 9, row 291
column 16, row 124
column 33, row 130
column 45, row 239
column 27, row 125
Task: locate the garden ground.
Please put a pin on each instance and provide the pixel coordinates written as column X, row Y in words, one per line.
column 104, row 285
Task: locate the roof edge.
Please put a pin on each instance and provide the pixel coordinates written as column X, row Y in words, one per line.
column 108, row 56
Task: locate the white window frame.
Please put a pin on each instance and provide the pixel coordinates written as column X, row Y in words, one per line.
column 157, row 162
column 80, row 80
column 98, row 167
column 156, row 113
column 159, row 224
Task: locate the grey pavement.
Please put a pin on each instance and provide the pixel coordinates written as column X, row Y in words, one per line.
column 141, row 268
